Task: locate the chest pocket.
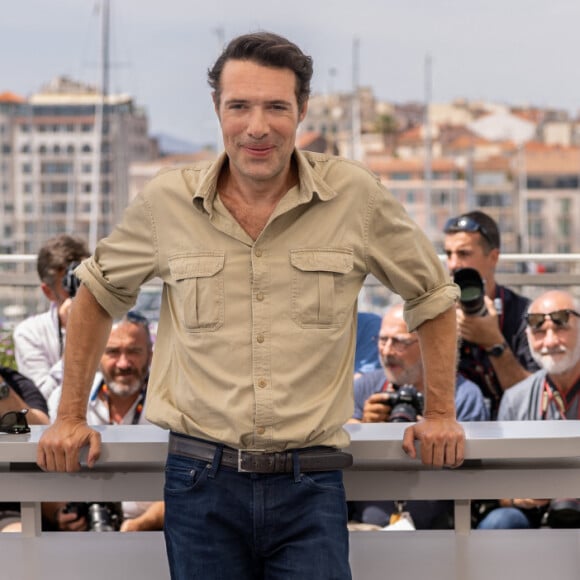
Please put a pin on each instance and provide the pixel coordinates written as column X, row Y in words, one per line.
column 199, row 289
column 318, row 284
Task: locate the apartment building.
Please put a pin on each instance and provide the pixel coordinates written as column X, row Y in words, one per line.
column 65, row 154
column 551, row 199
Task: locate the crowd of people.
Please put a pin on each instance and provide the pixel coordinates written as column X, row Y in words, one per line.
column 263, row 254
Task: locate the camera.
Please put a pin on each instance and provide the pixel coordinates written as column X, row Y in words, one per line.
column 472, row 291
column 406, row 403
column 70, row 282
column 100, row 516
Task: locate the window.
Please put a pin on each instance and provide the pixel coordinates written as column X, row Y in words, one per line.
column 535, row 206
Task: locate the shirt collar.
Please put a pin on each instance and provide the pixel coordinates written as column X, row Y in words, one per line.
column 310, row 181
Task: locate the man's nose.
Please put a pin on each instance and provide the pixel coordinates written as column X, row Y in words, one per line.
column 257, row 123
column 386, row 346
column 123, row 361
column 452, row 263
column 551, row 337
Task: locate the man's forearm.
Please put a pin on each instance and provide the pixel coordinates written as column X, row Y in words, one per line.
column 438, row 340
column 88, row 329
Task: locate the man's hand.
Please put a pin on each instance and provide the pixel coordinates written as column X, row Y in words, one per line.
column 60, row 445
column 442, row 442
column 529, row 503
column 482, row 330
column 63, row 311
column 375, row 410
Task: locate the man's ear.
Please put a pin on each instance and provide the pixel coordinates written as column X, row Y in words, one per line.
column 48, row 292
column 303, row 111
column 216, row 103
column 494, row 255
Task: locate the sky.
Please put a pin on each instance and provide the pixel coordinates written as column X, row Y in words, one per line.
column 510, row 51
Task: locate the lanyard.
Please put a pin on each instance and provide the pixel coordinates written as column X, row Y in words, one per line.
column 104, row 389
column 388, row 387
column 551, row 394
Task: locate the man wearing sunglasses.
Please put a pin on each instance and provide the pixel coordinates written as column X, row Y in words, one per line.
column 552, row 393
column 117, row 398
column 494, row 352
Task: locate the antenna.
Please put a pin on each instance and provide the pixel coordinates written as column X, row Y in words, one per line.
column 100, row 107
column 428, row 170
column 355, row 128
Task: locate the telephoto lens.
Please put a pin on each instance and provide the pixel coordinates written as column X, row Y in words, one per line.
column 472, row 297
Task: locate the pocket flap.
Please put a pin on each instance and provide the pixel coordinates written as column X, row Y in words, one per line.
column 337, row 260
column 196, row 265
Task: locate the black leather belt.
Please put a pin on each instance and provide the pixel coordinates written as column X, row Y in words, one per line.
column 315, row 459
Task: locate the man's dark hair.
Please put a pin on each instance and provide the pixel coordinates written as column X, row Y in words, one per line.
column 266, row 49
column 491, row 239
column 57, row 254
column 476, row 221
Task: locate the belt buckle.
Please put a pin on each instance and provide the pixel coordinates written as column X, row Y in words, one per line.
column 240, row 458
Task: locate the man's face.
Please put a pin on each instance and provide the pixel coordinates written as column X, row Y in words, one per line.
column 126, row 359
column 259, row 116
column 464, row 250
column 55, row 291
column 399, row 351
column 555, row 348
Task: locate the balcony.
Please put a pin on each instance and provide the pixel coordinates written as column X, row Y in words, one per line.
column 528, row 459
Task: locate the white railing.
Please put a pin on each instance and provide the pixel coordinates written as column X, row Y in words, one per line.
column 519, row 459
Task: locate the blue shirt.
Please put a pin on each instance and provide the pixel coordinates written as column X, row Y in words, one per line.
column 366, row 356
column 469, row 401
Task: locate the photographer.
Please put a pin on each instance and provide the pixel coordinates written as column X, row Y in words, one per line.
column 117, row 398
column 39, row 340
column 18, row 393
column 553, row 328
column 394, row 393
column 494, row 352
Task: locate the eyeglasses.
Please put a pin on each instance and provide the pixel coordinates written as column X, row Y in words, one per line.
column 14, row 422
column 560, row 318
column 464, row 223
column 397, row 342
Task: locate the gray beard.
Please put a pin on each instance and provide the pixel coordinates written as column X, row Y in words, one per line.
column 123, row 390
column 561, row 365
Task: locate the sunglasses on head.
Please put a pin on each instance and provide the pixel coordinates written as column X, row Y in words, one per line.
column 136, row 317
column 14, row 422
column 559, row 317
column 464, row 223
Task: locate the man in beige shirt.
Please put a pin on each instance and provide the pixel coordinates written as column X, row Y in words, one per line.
column 262, row 254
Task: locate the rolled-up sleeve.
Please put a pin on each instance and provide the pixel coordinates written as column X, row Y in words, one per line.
column 401, row 256
column 123, row 261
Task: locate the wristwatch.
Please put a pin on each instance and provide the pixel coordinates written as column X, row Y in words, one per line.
column 497, row 349
column 4, row 391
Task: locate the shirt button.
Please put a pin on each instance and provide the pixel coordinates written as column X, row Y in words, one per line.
column 260, row 338
column 258, row 253
column 262, row 383
column 260, row 296
column 260, row 430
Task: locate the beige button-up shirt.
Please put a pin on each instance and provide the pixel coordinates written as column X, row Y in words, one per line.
column 256, row 339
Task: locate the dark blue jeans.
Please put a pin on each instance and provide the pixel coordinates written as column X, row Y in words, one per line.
column 225, row 525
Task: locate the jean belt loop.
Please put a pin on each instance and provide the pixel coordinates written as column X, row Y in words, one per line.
column 296, row 466
column 217, row 459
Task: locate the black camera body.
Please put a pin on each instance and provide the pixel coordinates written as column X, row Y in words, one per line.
column 100, row 516
column 406, row 403
column 472, row 286
column 70, row 282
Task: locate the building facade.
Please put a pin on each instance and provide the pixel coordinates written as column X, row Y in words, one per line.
column 64, row 162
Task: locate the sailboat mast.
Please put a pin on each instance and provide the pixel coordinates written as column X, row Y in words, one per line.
column 100, row 113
